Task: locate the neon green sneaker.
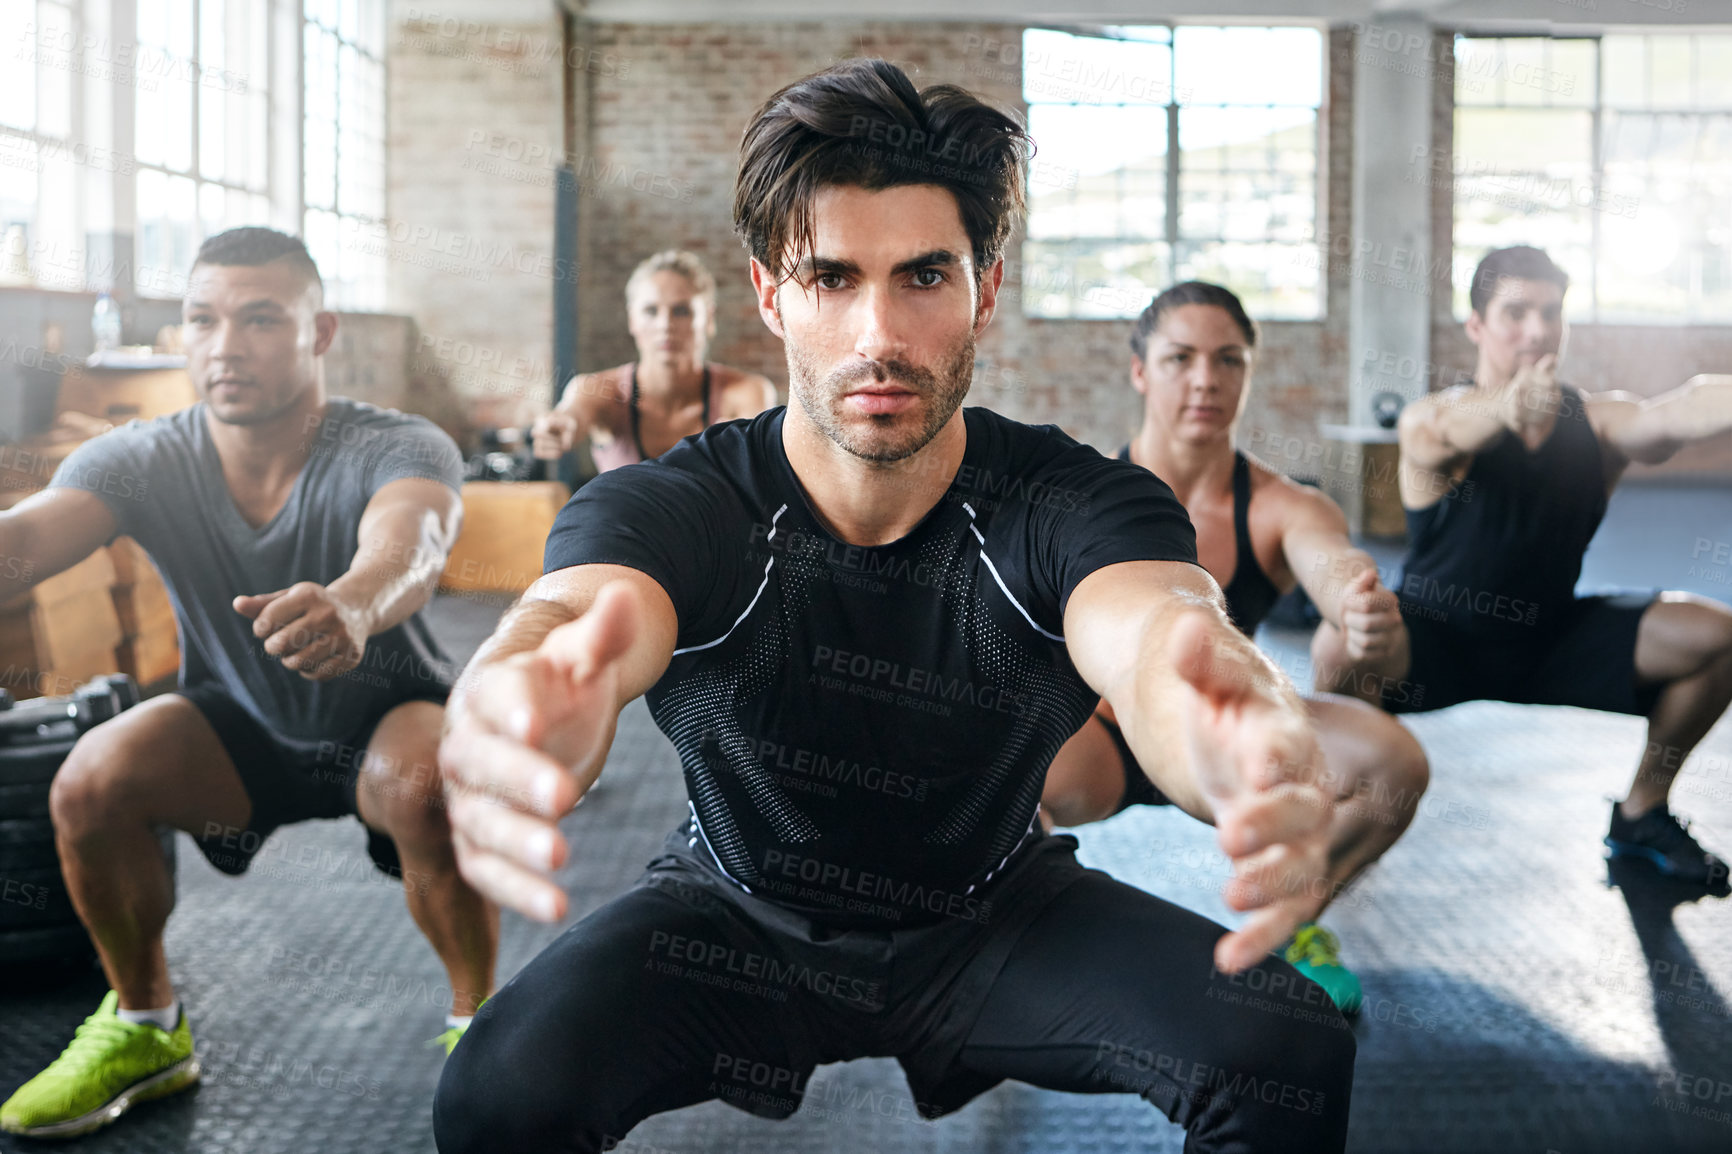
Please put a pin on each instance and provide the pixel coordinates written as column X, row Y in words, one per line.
column 454, row 1034
column 1315, row 952
column 109, row 1066
column 449, row 1038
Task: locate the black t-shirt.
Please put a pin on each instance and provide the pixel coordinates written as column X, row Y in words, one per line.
column 865, row 731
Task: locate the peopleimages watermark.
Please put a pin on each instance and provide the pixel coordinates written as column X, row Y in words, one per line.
column 1511, row 187
column 863, row 891
column 728, row 966
column 884, row 680
column 1157, row 1074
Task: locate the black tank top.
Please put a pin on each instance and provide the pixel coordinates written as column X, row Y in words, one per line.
column 636, row 434
column 1250, row 594
column 1500, row 556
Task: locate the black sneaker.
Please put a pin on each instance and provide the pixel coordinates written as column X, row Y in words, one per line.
column 1666, row 842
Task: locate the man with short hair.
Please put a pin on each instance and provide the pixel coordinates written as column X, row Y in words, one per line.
column 299, row 538
column 867, row 621
column 1505, row 481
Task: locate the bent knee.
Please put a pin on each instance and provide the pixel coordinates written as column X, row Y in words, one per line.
column 487, row 1102
column 87, row 791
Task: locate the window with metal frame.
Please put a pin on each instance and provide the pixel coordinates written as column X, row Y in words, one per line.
column 1173, row 153
column 1613, row 153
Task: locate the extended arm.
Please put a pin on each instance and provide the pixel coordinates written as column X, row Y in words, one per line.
column 1652, row 430
column 47, row 533
column 1217, row 728
column 321, row 631
column 1341, row 580
column 406, row 532
column 568, row 422
column 532, row 719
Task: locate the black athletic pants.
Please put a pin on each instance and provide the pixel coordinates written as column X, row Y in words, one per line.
column 681, row 991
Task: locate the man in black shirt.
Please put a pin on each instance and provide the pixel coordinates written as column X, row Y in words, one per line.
column 1505, row 481
column 867, row 622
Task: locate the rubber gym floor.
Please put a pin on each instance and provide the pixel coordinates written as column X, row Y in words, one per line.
column 1523, row 994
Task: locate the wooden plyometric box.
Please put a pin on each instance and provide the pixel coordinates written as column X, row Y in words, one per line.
column 505, row 528
column 61, row 633
column 121, row 395
column 149, row 657
column 149, row 650
column 1360, row 469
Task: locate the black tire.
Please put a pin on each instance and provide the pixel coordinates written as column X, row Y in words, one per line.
column 35, row 762
column 66, row 942
column 27, row 800
column 34, row 897
column 26, row 842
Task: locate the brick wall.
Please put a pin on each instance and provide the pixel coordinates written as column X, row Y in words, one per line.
column 475, row 133
column 668, row 119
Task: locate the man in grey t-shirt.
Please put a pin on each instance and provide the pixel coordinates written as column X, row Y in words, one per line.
column 299, row 538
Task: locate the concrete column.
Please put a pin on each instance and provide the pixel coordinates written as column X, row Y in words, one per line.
column 1389, row 252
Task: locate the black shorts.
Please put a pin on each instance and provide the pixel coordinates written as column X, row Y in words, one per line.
column 686, row 989
column 284, row 784
column 1587, row 660
column 1139, row 790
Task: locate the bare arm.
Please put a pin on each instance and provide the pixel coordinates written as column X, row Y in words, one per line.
column 1341, row 580
column 49, row 532
column 1217, row 728
column 321, row 631
column 1440, row 430
column 532, row 719
column 569, row 421
column 406, row 533
column 1652, row 430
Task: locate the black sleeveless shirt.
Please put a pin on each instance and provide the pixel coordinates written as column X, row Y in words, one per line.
column 1250, row 594
column 1499, row 557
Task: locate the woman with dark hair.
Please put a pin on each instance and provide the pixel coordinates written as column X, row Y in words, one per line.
column 1259, row 534
column 641, row 409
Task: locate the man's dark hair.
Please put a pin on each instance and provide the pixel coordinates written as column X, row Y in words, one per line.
column 863, row 123
column 1520, row 262
column 1191, row 292
column 253, row 246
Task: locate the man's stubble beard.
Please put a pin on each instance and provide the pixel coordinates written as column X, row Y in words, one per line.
column 943, row 391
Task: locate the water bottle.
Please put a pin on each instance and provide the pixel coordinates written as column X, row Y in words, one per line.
column 105, row 324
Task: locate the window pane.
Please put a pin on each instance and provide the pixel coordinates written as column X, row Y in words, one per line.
column 213, row 135
column 18, row 79
column 1669, row 66
column 54, row 72
column 1714, row 71
column 1079, row 194
column 1665, row 243
column 1092, row 279
column 168, row 26
column 1281, row 282
column 167, row 212
column 1249, row 65
column 18, row 164
column 1060, row 68
column 1624, row 64
column 1516, row 71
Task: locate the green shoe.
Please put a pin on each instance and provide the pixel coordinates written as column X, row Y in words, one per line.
column 1315, row 953
column 449, row 1038
column 454, row 1034
column 110, row 1065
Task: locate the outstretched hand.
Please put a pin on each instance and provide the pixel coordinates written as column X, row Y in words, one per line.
column 308, row 629
column 1257, row 760
column 1371, row 623
column 522, row 745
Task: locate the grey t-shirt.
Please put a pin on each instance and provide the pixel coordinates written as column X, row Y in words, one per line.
column 163, row 481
